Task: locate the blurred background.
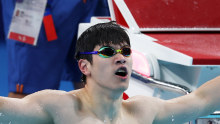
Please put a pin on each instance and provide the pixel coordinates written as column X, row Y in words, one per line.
column 64, row 85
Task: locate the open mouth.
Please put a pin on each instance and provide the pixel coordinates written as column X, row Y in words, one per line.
column 121, row 72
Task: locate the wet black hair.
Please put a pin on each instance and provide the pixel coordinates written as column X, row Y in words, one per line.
column 99, row 35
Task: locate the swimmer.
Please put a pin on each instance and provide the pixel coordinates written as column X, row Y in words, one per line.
column 104, row 57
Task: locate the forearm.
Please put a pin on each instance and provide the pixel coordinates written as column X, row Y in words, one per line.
column 208, row 93
column 20, row 111
column 4, row 118
column 201, row 102
column 3, row 101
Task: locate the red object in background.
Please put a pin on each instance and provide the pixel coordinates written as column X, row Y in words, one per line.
column 140, row 63
column 174, row 13
column 21, row 38
column 204, row 48
column 118, row 16
column 49, row 28
column 125, row 96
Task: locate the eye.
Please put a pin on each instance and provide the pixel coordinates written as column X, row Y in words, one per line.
column 107, row 51
column 126, row 51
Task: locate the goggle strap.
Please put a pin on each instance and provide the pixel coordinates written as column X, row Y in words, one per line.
column 93, row 52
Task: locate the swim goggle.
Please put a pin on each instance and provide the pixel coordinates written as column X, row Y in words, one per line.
column 107, row 51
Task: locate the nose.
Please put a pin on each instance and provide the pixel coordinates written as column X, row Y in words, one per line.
column 120, row 59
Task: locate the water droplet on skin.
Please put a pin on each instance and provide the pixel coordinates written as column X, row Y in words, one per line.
column 1, row 114
column 172, row 118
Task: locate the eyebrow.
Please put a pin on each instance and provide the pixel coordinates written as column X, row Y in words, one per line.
column 113, row 46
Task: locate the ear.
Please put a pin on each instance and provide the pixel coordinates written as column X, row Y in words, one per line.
column 83, row 66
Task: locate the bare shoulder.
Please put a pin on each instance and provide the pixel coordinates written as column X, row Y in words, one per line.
column 143, row 101
column 52, row 97
column 144, row 107
column 46, row 93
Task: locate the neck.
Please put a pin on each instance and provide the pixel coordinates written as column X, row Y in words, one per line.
column 104, row 105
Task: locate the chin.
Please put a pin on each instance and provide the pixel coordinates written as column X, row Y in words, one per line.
column 123, row 87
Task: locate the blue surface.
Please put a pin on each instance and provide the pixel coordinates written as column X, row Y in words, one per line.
column 3, row 70
column 64, row 85
column 211, row 116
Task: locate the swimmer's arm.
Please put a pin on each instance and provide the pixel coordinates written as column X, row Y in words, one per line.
column 22, row 111
column 201, row 102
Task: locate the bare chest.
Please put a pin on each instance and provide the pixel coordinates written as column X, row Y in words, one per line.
column 79, row 119
column 93, row 120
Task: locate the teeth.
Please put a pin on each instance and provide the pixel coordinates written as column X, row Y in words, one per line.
column 121, row 71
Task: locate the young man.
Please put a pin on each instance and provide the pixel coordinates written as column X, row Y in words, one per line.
column 103, row 53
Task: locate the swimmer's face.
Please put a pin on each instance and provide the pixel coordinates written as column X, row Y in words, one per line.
column 112, row 72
